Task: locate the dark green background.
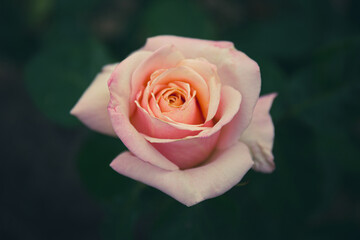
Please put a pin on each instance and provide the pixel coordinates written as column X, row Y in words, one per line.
column 55, row 178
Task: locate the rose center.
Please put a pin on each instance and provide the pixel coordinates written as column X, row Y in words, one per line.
column 175, row 98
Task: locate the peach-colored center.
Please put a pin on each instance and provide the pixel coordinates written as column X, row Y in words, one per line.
column 169, row 96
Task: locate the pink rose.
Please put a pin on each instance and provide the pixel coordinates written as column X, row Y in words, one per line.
column 189, row 112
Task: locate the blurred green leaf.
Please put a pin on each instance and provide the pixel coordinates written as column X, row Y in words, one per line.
column 325, row 94
column 324, row 97
column 122, row 213
column 336, row 151
column 93, row 164
column 273, row 80
column 119, row 196
column 273, row 77
column 58, row 75
column 279, row 37
column 74, row 9
column 177, row 17
column 39, row 10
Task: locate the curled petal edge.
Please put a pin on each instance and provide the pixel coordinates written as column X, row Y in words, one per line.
column 259, row 136
column 91, row 109
column 223, row 171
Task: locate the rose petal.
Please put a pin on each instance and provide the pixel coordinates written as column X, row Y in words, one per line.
column 193, row 122
column 157, row 128
column 209, row 73
column 189, row 152
column 91, row 109
column 229, row 106
column 244, row 75
column 165, row 57
column 234, row 68
column 190, row 47
column 259, row 136
column 191, row 114
column 191, row 186
column 192, row 150
column 184, row 74
column 119, row 85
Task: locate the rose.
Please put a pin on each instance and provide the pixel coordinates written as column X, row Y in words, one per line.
column 189, row 113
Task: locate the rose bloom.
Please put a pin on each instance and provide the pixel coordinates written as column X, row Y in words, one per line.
column 189, row 112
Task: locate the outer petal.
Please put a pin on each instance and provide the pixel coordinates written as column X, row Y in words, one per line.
column 191, row 186
column 190, row 47
column 259, row 136
column 234, row 69
column 91, row 108
column 187, row 153
column 244, row 75
column 119, row 85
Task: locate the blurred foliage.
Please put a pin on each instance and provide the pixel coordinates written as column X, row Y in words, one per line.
column 160, row 18
column 66, row 70
column 308, row 52
column 93, row 164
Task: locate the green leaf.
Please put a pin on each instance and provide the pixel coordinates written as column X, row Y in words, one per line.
column 273, row 80
column 58, row 75
column 119, row 196
column 93, row 164
column 324, row 94
column 39, row 10
column 177, row 17
column 280, row 37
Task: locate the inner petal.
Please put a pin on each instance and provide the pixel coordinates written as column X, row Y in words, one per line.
column 171, row 99
column 188, row 115
column 178, row 94
column 184, row 78
column 175, row 99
